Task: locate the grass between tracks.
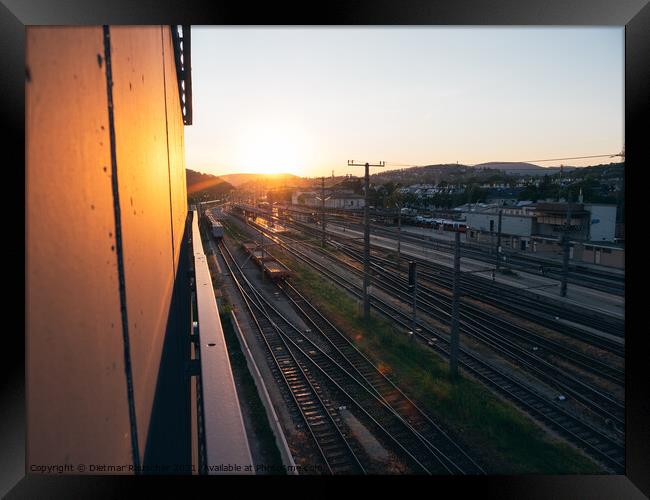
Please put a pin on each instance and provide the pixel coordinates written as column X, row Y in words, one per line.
column 500, row 436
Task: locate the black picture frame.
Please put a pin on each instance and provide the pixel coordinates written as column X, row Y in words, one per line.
column 633, row 14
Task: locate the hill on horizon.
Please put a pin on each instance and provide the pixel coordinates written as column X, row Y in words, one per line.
column 202, row 186
column 456, row 172
column 424, row 174
column 522, row 167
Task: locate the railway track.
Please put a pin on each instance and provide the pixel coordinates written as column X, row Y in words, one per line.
column 382, row 386
column 545, row 311
column 528, row 307
column 493, row 336
column 498, row 334
column 598, row 444
column 305, row 367
column 596, row 279
column 435, row 302
column 306, row 394
column 578, row 275
column 525, row 304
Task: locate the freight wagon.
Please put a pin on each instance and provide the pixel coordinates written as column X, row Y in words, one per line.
column 266, row 261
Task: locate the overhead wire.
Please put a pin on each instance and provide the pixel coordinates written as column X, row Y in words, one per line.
column 396, row 164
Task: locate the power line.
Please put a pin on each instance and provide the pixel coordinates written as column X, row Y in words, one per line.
column 574, row 158
column 622, row 154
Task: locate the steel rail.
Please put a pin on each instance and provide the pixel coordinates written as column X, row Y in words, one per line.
column 375, row 379
column 577, row 314
column 573, row 428
column 536, row 303
column 328, row 438
column 318, row 364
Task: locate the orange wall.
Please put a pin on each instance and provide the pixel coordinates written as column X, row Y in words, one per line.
column 76, row 385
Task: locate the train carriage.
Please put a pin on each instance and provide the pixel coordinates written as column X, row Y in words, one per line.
column 217, row 231
column 213, row 225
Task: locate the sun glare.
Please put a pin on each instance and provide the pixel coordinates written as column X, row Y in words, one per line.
column 274, row 149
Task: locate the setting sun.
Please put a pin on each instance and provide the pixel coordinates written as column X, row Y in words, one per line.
column 273, row 148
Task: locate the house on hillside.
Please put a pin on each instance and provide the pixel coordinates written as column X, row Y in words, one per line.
column 503, row 196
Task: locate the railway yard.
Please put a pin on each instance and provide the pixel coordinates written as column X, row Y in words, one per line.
column 542, row 377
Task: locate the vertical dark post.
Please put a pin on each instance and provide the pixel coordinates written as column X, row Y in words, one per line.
column 261, row 242
column 366, row 234
column 453, row 357
column 413, row 285
column 499, row 241
column 322, row 215
column 261, row 248
column 399, row 233
column 567, row 249
column 366, row 245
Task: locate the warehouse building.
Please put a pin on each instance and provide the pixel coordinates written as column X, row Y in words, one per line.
column 341, row 200
column 538, row 228
column 516, row 230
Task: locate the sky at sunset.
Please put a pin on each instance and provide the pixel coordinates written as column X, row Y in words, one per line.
column 306, row 100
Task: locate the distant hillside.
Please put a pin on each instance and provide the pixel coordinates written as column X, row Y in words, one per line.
column 509, row 166
column 603, row 171
column 454, row 172
column 202, row 186
column 522, row 168
column 428, row 174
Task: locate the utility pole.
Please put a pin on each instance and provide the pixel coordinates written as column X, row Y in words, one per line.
column 453, row 356
column 413, row 285
column 399, row 233
column 499, row 240
column 322, row 218
column 567, row 249
column 366, row 234
column 261, row 244
column 322, row 215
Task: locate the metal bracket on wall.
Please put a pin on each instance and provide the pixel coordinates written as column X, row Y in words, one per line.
column 193, row 368
column 181, row 40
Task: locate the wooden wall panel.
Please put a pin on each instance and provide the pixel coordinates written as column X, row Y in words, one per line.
column 176, row 143
column 77, row 392
column 77, row 407
column 141, row 147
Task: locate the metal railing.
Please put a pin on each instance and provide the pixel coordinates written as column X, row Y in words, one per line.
column 222, row 441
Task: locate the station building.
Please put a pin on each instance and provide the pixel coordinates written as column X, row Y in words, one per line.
column 538, row 228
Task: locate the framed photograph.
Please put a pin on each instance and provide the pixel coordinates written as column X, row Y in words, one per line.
column 373, row 240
